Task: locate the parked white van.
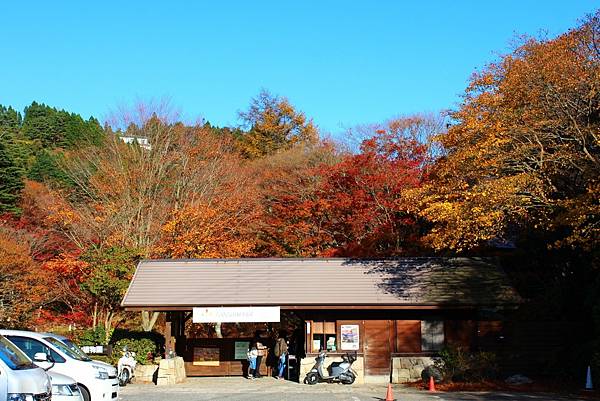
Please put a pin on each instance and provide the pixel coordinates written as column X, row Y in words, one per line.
column 97, row 381
column 20, row 379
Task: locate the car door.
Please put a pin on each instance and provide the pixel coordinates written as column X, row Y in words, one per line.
column 3, row 383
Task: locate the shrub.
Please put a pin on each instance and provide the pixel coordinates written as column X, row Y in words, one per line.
column 142, row 348
column 432, row 371
column 95, row 336
column 458, row 364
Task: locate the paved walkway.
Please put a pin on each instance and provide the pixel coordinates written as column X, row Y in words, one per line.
column 269, row 389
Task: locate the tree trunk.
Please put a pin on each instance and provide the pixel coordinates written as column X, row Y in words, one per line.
column 218, row 330
column 95, row 316
column 108, row 318
column 149, row 321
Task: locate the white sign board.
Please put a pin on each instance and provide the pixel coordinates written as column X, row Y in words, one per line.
column 236, row 314
column 350, row 336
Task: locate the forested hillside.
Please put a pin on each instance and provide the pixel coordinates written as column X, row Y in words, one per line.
column 513, row 172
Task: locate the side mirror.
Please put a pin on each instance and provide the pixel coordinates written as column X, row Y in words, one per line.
column 40, row 357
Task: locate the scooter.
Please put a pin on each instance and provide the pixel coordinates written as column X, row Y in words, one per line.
column 337, row 372
column 126, row 367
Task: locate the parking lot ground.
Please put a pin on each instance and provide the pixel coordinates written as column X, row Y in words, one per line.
column 269, row 389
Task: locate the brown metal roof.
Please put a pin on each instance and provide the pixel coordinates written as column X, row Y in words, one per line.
column 319, row 282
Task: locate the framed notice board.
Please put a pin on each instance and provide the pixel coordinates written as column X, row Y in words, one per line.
column 206, row 356
column 240, row 350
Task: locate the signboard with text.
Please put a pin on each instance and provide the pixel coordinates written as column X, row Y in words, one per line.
column 350, row 336
column 237, row 314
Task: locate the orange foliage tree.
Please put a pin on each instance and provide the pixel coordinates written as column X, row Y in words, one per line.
column 22, row 286
column 524, row 152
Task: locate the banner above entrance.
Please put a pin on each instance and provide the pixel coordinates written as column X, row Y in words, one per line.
column 236, row 314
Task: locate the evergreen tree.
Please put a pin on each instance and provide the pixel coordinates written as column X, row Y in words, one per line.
column 10, row 182
column 10, row 122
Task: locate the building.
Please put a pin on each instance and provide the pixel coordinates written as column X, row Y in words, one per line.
column 142, row 141
column 395, row 313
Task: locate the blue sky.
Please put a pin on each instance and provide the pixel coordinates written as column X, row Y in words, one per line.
column 341, row 62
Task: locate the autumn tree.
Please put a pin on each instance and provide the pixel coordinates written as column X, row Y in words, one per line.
column 125, row 194
column 22, row 286
column 356, row 204
column 273, row 124
column 523, row 152
column 288, row 184
column 224, row 228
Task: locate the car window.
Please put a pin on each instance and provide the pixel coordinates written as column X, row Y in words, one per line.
column 73, row 347
column 31, row 347
column 12, row 356
column 64, row 348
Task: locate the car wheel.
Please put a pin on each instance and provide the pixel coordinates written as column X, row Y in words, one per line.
column 312, row 378
column 84, row 393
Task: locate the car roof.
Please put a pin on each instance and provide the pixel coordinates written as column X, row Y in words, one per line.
column 23, row 333
column 58, row 336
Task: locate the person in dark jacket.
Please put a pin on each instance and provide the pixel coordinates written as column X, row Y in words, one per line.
column 281, row 351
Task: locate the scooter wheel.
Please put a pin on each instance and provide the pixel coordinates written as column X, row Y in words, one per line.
column 348, row 378
column 312, row 378
column 124, row 378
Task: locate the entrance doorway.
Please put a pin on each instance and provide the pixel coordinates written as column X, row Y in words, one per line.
column 377, row 347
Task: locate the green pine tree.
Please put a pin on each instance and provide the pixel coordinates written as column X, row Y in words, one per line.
column 11, row 182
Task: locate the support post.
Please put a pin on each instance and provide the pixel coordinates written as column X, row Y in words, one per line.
column 169, row 341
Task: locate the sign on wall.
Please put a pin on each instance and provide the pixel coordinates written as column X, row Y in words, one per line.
column 206, row 356
column 350, row 336
column 241, row 349
column 236, row 314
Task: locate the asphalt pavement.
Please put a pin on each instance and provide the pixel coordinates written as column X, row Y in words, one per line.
column 269, row 389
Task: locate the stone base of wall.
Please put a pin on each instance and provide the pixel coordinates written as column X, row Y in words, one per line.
column 358, row 366
column 408, row 368
column 144, row 373
column 171, row 371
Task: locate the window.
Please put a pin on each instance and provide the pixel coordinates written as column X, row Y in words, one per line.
column 432, row 335
column 31, row 347
column 324, row 336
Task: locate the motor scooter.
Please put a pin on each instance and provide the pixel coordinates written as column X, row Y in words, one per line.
column 339, row 372
column 126, row 367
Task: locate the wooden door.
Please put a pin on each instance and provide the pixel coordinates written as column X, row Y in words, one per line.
column 377, row 347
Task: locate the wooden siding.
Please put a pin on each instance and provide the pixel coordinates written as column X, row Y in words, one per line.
column 461, row 333
column 377, row 346
column 408, row 336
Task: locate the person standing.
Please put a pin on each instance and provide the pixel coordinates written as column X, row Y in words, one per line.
column 281, row 351
column 261, row 353
column 252, row 355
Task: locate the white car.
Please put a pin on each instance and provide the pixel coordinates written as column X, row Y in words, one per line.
column 97, row 381
column 20, row 379
column 64, row 388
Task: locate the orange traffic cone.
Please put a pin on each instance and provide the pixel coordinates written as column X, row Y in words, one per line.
column 431, row 384
column 389, row 396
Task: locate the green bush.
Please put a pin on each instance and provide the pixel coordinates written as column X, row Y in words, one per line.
column 141, row 347
column 458, row 364
column 95, row 336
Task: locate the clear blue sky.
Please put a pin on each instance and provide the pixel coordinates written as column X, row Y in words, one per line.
column 341, row 62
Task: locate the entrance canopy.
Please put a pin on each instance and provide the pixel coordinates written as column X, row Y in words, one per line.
column 317, row 283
